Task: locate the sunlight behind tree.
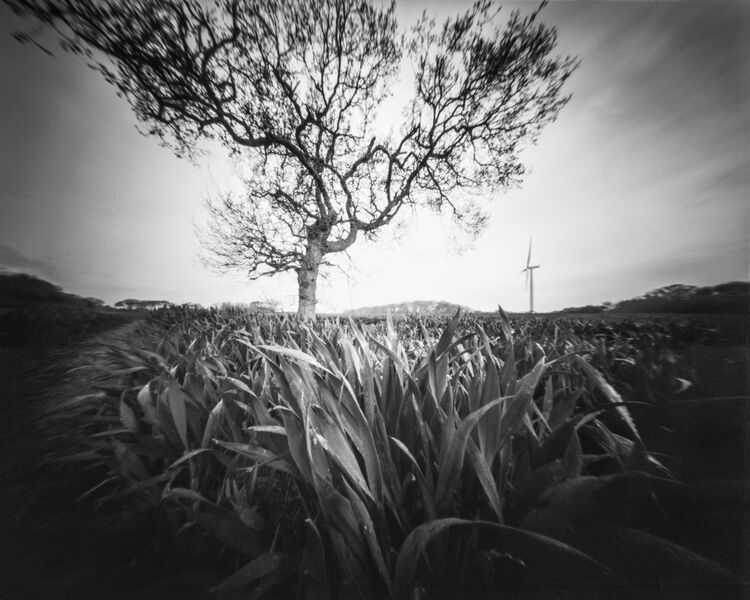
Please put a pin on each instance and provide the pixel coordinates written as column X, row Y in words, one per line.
column 296, row 90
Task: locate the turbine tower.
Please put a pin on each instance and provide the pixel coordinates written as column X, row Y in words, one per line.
column 529, row 270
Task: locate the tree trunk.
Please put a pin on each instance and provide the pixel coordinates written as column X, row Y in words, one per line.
column 307, row 278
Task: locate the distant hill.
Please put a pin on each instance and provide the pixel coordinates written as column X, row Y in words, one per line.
column 732, row 297
column 20, row 289
column 415, row 307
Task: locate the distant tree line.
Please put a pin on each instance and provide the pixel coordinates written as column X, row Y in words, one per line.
column 732, row 297
column 414, row 307
column 134, row 304
column 258, row 306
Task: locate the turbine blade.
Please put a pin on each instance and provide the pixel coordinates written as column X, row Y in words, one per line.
column 528, row 259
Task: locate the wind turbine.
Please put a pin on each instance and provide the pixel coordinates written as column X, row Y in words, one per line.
column 529, row 270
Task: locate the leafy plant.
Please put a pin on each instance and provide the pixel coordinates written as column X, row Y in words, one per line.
column 341, row 459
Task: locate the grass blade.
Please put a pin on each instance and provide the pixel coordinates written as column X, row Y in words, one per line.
column 450, row 468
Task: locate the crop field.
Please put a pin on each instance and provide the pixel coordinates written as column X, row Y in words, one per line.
column 472, row 456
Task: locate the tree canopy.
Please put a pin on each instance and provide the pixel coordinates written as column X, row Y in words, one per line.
column 297, row 89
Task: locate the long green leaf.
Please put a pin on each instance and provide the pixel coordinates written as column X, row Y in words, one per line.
column 486, row 480
column 332, row 440
column 297, row 355
column 653, row 564
column 178, row 411
column 608, row 391
column 367, row 529
column 517, row 408
column 127, row 416
column 262, row 566
column 355, row 425
column 312, row 583
column 428, row 496
column 448, row 334
column 297, row 444
column 450, row 468
column 552, row 562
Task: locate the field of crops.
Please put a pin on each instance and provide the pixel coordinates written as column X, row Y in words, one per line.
column 418, row 458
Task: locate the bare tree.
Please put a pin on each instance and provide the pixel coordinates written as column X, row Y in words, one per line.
column 295, row 88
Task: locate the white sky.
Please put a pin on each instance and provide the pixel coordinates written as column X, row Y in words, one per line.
column 641, row 182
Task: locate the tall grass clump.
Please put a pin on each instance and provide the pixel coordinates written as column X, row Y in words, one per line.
column 405, row 460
